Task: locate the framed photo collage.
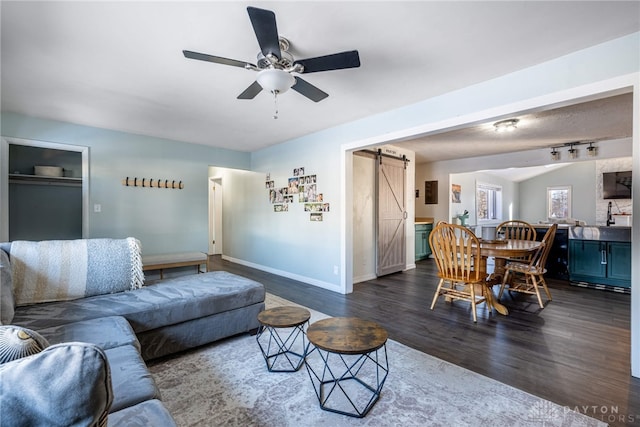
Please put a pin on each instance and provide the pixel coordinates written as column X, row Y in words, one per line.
column 301, row 188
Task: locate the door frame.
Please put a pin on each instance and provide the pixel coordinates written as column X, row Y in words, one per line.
column 215, row 215
column 4, row 179
column 547, row 101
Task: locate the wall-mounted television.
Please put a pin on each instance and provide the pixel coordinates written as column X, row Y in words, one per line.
column 616, row 185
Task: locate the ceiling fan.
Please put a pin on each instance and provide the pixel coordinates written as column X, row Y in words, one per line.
column 276, row 65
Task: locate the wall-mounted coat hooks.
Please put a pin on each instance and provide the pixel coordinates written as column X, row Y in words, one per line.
column 152, row 183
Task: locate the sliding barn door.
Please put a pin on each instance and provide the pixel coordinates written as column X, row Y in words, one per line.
column 391, row 238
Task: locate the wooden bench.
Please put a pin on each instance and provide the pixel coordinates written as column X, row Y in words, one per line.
column 181, row 259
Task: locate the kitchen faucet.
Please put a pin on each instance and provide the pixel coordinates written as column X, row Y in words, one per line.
column 609, row 217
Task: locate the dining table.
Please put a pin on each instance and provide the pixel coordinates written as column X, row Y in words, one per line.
column 501, row 250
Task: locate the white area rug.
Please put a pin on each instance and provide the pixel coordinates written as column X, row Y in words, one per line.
column 227, row 383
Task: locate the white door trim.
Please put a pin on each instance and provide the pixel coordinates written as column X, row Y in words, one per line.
column 215, row 216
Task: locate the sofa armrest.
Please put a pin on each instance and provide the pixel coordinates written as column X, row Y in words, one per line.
column 65, row 384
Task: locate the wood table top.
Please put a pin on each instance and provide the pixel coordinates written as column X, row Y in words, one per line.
column 347, row 335
column 284, row 317
column 509, row 248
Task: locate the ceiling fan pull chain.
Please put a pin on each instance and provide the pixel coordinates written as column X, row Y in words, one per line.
column 275, row 104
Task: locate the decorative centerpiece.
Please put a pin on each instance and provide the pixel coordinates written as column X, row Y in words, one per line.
column 463, row 218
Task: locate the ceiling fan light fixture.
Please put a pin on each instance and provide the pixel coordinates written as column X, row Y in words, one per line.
column 508, row 125
column 275, row 81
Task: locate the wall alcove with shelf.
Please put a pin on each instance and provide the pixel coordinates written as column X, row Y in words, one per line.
column 42, row 207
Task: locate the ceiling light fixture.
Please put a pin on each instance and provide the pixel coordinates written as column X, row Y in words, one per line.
column 591, row 150
column 573, row 152
column 555, row 154
column 508, row 125
column 275, row 81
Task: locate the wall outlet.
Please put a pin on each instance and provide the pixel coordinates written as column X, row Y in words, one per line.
column 336, row 270
column 97, row 208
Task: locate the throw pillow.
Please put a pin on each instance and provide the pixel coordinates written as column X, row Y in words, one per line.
column 7, row 301
column 17, row 342
column 67, row 384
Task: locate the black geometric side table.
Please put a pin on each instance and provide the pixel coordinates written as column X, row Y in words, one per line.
column 282, row 337
column 348, row 365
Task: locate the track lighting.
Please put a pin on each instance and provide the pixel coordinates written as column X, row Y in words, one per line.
column 592, row 150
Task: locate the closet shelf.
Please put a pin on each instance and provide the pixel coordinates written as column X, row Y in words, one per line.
column 18, row 178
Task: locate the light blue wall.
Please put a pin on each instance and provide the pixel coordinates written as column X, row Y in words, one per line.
column 580, row 176
column 164, row 220
column 290, row 241
column 468, row 182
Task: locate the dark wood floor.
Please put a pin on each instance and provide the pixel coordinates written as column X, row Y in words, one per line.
column 575, row 352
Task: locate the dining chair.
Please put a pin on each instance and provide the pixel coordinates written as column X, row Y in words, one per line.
column 516, row 229
column 527, row 277
column 456, row 250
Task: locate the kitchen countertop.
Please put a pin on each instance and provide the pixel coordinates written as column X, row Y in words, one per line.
column 547, row 225
column 421, row 220
column 611, row 234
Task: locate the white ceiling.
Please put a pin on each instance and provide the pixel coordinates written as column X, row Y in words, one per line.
column 119, row 65
column 599, row 120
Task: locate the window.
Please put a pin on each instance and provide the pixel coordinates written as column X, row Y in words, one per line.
column 488, row 202
column 559, row 202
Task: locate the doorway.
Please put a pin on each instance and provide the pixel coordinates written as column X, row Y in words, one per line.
column 215, row 216
column 571, row 95
column 382, row 218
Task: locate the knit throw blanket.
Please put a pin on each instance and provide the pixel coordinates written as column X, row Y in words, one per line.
column 62, row 270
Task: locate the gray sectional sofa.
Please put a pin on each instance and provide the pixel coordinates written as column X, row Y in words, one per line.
column 128, row 327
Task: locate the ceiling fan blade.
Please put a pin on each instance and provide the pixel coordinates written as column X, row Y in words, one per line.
column 217, row 59
column 264, row 25
column 251, row 91
column 307, row 89
column 336, row 61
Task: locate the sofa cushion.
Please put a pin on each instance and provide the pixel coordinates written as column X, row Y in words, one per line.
column 168, row 302
column 64, row 385
column 106, row 332
column 58, row 270
column 149, row 413
column 17, row 342
column 7, row 301
column 132, row 382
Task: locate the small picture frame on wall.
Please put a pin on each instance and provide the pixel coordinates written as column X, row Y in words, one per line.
column 431, row 192
column 456, row 190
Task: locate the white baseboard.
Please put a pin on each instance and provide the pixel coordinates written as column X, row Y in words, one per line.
column 287, row 274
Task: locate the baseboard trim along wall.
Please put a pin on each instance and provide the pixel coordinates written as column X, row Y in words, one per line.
column 304, row 279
